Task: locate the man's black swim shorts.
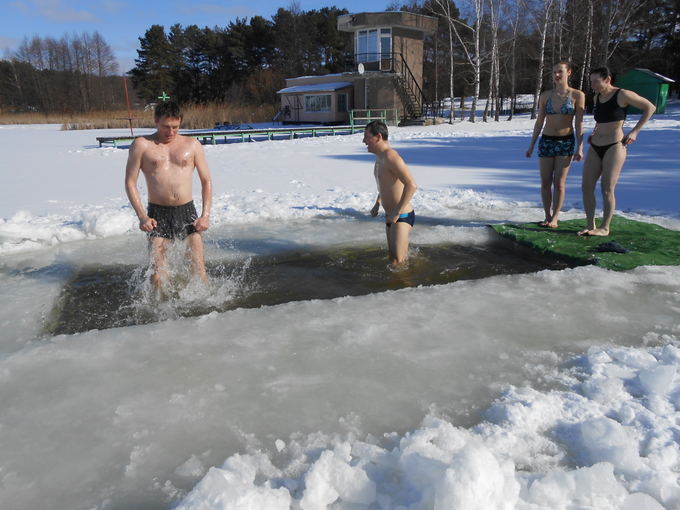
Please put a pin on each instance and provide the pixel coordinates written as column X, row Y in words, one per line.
column 173, row 222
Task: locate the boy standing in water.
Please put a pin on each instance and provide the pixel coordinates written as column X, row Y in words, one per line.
column 396, row 187
column 167, row 160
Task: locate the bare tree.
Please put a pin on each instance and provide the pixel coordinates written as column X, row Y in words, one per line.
column 495, row 15
column 473, row 55
column 542, row 19
column 588, row 46
column 105, row 64
column 69, row 73
column 513, row 58
column 496, row 56
column 477, row 63
column 619, row 21
column 445, row 7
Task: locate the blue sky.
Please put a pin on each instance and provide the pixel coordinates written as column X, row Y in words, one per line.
column 122, row 22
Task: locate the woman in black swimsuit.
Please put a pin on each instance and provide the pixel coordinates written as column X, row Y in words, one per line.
column 608, row 144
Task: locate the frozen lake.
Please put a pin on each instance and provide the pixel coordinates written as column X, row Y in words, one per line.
column 473, row 379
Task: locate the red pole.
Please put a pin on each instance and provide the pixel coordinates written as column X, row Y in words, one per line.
column 127, row 100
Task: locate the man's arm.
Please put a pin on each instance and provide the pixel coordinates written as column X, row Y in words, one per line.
column 376, row 206
column 398, row 168
column 203, row 222
column 134, row 164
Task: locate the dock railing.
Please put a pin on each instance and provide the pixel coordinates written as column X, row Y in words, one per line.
column 246, row 135
column 360, row 118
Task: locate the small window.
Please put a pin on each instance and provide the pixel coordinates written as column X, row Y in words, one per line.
column 318, row 103
column 368, row 44
column 362, row 46
column 373, row 48
column 342, row 103
column 385, row 46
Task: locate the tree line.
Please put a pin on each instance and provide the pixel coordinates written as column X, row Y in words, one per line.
column 246, row 62
column 482, row 48
column 501, row 48
column 71, row 74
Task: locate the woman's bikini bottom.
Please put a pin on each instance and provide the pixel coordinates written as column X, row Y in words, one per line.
column 601, row 150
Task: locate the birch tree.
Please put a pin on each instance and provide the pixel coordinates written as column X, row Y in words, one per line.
column 618, row 23
column 477, row 63
column 495, row 15
column 542, row 19
column 513, row 59
column 472, row 55
column 588, row 47
column 444, row 7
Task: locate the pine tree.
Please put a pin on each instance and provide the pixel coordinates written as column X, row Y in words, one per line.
column 154, row 65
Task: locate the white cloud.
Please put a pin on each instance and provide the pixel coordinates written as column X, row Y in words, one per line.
column 54, row 10
column 113, row 6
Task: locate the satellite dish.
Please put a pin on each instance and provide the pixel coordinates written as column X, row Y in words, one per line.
column 360, row 68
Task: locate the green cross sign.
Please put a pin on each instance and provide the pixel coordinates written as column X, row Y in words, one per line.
column 164, row 96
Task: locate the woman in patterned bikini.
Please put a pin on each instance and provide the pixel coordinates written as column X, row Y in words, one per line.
column 607, row 152
column 561, row 110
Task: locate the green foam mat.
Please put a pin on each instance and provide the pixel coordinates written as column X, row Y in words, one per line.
column 649, row 244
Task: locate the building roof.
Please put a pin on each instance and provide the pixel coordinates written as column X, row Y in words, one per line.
column 402, row 19
column 316, row 87
column 315, row 76
column 651, row 74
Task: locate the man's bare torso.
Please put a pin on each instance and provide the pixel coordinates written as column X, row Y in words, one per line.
column 168, row 170
column 389, row 187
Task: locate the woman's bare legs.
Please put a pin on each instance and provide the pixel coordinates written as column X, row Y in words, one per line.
column 609, row 168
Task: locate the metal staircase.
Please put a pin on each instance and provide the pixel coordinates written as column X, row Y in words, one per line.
column 410, row 93
column 416, row 105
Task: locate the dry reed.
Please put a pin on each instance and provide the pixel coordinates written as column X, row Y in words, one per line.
column 198, row 116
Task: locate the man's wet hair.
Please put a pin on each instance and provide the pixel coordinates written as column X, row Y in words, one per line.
column 167, row 109
column 603, row 72
column 565, row 63
column 377, row 127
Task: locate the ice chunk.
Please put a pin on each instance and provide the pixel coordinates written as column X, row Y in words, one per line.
column 477, row 480
column 233, row 488
column 605, row 440
column 590, row 487
column 332, row 478
column 192, row 468
column 640, row 501
column 656, row 380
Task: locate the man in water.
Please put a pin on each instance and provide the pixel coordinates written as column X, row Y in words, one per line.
column 395, row 190
column 167, row 160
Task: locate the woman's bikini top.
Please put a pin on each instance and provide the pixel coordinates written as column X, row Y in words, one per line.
column 567, row 107
column 609, row 111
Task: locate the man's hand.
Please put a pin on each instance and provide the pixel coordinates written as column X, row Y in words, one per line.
column 202, row 223
column 147, row 224
column 376, row 208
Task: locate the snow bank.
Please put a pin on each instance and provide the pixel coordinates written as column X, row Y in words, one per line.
column 607, row 443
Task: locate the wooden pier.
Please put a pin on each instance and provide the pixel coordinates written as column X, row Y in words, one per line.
column 246, row 135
